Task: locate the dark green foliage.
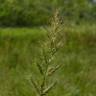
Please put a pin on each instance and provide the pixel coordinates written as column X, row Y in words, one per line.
column 37, row 12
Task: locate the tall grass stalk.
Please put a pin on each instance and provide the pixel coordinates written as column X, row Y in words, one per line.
column 54, row 41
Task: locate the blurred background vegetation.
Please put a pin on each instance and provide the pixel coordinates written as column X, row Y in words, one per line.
column 19, row 47
column 37, row 12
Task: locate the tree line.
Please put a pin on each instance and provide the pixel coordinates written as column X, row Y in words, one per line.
column 38, row 12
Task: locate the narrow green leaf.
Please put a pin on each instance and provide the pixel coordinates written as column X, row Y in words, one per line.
column 40, row 69
column 49, row 88
column 33, row 82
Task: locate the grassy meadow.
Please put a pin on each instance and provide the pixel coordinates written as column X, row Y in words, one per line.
column 19, row 48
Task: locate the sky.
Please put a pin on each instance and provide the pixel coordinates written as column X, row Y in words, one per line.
column 94, row 1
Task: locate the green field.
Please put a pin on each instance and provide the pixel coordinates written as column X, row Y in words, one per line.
column 19, row 47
